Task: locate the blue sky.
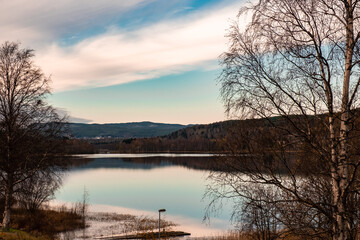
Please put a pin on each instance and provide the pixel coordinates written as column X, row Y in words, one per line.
column 129, row 60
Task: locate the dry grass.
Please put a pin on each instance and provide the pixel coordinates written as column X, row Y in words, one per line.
column 237, row 235
column 48, row 222
column 20, row 235
column 42, row 224
column 233, row 235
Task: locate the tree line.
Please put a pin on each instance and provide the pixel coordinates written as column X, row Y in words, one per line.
column 199, row 138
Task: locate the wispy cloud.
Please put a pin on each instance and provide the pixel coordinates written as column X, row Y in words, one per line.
column 39, row 22
column 116, row 56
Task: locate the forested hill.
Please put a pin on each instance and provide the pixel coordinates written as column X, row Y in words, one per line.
column 122, row 130
column 197, row 138
column 140, row 138
column 207, row 131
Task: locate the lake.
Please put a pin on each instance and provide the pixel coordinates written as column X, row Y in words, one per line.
column 141, row 184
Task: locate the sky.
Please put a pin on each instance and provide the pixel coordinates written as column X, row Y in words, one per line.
column 115, row 61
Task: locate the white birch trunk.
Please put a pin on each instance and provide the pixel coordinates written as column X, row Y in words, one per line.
column 342, row 230
column 7, row 209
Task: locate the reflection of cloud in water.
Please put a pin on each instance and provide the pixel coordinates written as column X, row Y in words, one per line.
column 177, row 189
column 128, row 185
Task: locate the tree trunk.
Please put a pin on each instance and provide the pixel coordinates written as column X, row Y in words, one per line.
column 342, row 225
column 7, row 209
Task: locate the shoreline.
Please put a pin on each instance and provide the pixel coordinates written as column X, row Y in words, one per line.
column 105, row 220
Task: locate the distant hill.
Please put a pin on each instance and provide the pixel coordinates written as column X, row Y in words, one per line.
column 123, row 130
column 147, row 137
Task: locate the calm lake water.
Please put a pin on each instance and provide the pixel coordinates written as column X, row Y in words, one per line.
column 143, row 183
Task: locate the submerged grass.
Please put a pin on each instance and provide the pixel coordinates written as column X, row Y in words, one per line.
column 116, row 224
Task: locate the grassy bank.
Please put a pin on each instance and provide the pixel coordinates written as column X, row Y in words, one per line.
column 42, row 224
column 20, row 235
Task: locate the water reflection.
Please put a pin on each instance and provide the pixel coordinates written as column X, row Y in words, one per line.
column 145, row 184
column 147, row 161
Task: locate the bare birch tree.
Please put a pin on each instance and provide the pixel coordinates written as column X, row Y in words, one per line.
column 297, row 66
column 38, row 189
column 29, row 127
